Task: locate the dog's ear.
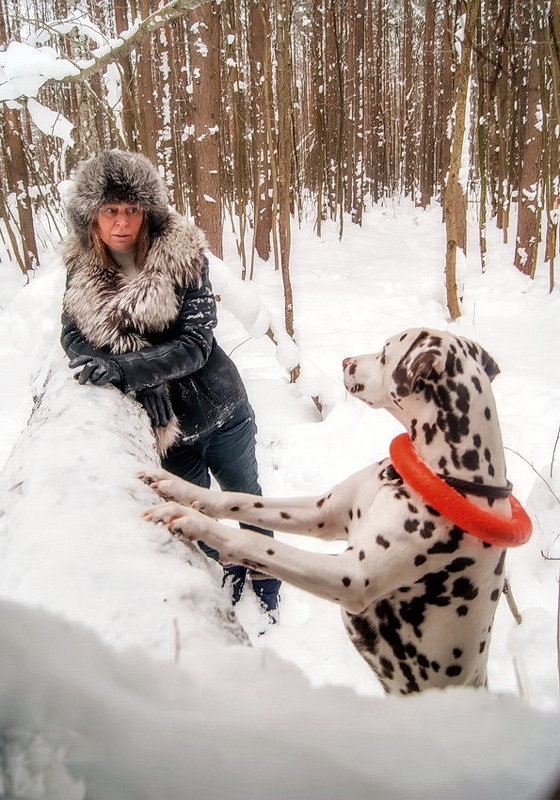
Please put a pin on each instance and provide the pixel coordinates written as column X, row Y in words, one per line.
column 488, row 364
column 427, row 365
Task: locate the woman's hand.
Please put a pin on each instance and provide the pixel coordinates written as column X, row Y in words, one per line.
column 97, row 370
column 157, row 403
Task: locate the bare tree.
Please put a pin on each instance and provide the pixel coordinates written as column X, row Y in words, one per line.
column 453, row 187
column 204, row 50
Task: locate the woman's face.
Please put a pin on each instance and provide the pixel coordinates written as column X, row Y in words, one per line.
column 119, row 225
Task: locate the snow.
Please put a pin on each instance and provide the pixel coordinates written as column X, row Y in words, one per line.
column 51, row 123
column 122, row 675
column 24, row 69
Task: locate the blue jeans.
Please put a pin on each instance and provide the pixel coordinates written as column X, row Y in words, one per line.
column 228, row 452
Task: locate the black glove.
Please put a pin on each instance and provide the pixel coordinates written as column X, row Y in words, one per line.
column 157, row 404
column 97, row 370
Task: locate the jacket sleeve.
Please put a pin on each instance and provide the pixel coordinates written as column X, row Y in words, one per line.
column 74, row 342
column 186, row 349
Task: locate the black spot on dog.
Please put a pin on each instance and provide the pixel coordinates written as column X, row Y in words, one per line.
column 387, row 667
column 285, row 515
column 320, row 502
column 457, row 652
column 423, row 661
column 487, row 413
column 366, row 635
column 320, row 524
column 453, row 670
column 451, row 545
column 270, row 552
column 476, row 384
column 462, row 587
column 477, row 441
column 234, row 508
column 258, row 505
column 411, row 684
column 495, row 595
column 435, row 666
column 463, row 399
column 462, row 611
column 357, row 387
column 410, row 525
column 419, row 560
column 500, row 565
column 412, row 508
column 429, row 432
column 389, row 628
column 361, row 555
column 383, row 542
column 471, row 460
column 481, row 647
column 346, row 581
column 366, row 582
column 350, row 513
column 460, row 564
column 427, row 530
column 431, row 510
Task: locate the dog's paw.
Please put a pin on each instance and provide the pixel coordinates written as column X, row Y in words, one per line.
column 171, row 487
column 182, row 521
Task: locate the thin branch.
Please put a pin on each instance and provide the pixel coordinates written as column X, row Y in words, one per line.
column 126, row 42
column 546, row 483
column 554, row 451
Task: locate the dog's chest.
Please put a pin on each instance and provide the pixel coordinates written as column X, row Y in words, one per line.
column 433, row 629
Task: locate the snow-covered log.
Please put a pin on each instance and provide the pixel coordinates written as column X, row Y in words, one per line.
column 70, row 499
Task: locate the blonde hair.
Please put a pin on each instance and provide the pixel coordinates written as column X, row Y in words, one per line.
column 142, row 244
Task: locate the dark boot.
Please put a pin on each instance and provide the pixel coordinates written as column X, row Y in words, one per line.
column 267, row 591
column 234, row 580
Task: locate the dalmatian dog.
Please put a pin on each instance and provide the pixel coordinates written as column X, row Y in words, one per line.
column 418, row 593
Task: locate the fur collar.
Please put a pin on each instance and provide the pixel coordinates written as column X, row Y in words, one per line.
column 116, row 314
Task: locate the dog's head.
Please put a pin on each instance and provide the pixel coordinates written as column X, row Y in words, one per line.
column 419, row 363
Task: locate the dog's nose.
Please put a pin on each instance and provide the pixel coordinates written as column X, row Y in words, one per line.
column 346, row 362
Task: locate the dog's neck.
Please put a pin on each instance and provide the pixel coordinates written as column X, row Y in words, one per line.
column 457, row 437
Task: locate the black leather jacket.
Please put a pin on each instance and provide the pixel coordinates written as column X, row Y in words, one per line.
column 204, row 384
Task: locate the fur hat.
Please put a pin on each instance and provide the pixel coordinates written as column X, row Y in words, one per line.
column 116, row 176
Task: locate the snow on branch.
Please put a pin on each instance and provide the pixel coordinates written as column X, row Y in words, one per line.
column 27, row 68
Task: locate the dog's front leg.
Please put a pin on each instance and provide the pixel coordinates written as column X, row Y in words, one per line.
column 324, row 516
column 335, row 577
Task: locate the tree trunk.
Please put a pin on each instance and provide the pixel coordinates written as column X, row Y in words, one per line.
column 148, row 118
column 528, row 215
column 92, row 514
column 204, row 52
column 427, row 161
column 258, row 13
column 453, row 187
column 121, row 24
column 283, row 82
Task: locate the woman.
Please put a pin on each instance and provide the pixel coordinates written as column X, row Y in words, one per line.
column 139, row 313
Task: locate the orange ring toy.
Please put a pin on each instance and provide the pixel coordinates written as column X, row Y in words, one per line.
column 485, row 525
